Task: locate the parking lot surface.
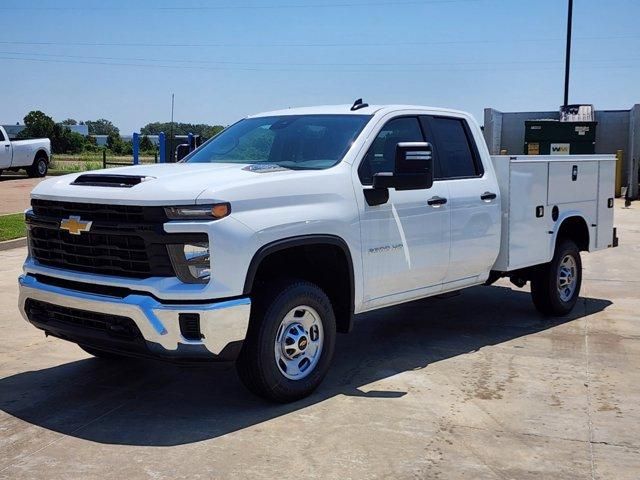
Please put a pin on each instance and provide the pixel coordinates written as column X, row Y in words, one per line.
column 14, row 192
column 476, row 386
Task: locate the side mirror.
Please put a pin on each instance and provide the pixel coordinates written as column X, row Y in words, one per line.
column 413, row 168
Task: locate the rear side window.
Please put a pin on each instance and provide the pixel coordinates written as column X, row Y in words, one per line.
column 1, row 136
column 382, row 153
column 457, row 155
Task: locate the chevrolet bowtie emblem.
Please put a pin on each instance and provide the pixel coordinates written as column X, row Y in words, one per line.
column 75, row 225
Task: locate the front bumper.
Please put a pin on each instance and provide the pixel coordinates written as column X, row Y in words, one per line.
column 223, row 324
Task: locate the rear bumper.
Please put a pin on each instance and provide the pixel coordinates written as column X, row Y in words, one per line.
column 157, row 331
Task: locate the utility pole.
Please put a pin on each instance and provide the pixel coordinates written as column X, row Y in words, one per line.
column 567, row 67
column 171, row 128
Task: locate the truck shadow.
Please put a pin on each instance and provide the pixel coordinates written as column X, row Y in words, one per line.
column 156, row 404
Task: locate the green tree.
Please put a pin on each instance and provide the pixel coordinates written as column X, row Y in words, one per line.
column 115, row 143
column 119, row 146
column 204, row 130
column 101, row 126
column 39, row 125
column 68, row 141
column 146, row 145
column 69, row 121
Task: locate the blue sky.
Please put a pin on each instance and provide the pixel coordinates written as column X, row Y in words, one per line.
column 226, row 59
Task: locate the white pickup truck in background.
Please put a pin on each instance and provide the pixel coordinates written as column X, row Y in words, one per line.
column 269, row 238
column 31, row 155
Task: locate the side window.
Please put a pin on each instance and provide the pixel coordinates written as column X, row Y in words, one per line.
column 457, row 156
column 1, row 136
column 382, row 153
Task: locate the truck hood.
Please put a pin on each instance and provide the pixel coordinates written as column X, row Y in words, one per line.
column 163, row 184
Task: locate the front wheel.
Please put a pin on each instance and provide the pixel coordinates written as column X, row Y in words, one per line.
column 556, row 285
column 290, row 342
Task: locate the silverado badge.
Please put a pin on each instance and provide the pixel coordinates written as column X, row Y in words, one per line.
column 75, row 225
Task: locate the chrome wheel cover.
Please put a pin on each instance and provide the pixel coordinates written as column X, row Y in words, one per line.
column 42, row 167
column 298, row 342
column 567, row 277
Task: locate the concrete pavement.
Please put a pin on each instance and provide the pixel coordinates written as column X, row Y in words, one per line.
column 476, row 386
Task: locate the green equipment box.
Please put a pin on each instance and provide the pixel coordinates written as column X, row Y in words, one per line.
column 551, row 137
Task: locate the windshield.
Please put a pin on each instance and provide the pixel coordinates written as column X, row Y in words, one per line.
column 291, row 141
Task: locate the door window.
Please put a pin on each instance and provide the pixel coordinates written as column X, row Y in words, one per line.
column 457, row 156
column 382, row 153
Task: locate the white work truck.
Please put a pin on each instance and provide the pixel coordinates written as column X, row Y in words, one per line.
column 31, row 155
column 267, row 240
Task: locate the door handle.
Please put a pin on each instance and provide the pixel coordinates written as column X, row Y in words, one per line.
column 436, row 201
column 488, row 196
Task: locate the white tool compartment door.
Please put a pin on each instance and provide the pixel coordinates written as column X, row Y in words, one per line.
column 528, row 231
column 606, row 186
column 571, row 182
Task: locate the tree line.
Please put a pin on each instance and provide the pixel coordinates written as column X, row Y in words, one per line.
column 63, row 140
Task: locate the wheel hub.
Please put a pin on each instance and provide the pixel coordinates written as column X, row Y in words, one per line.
column 295, row 341
column 567, row 273
column 298, row 342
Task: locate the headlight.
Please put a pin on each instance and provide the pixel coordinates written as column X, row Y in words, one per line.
column 199, row 212
column 191, row 262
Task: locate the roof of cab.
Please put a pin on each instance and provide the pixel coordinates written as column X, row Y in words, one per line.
column 346, row 110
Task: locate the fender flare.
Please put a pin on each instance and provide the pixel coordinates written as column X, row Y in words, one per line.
column 39, row 152
column 556, row 230
column 298, row 241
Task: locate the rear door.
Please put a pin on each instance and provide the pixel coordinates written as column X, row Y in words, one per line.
column 474, row 200
column 5, row 151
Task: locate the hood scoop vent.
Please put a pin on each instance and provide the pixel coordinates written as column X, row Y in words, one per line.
column 264, row 168
column 102, row 180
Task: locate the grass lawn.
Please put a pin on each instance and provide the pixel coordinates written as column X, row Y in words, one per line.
column 12, row 226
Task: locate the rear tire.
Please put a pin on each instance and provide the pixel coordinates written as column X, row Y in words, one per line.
column 290, row 342
column 555, row 287
column 101, row 354
column 39, row 168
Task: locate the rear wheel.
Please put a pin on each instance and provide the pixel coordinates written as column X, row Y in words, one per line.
column 556, row 285
column 39, row 168
column 100, row 353
column 290, row 342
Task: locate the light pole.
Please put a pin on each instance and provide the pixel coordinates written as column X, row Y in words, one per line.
column 171, row 129
column 567, row 67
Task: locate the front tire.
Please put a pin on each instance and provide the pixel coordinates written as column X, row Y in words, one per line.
column 39, row 168
column 555, row 287
column 290, row 342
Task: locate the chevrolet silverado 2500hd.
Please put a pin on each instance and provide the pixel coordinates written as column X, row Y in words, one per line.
column 269, row 238
column 32, row 155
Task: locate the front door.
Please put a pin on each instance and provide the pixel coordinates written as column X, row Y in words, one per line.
column 405, row 242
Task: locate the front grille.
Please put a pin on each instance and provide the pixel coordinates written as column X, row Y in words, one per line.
column 99, row 213
column 108, row 254
column 45, row 314
column 125, row 241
